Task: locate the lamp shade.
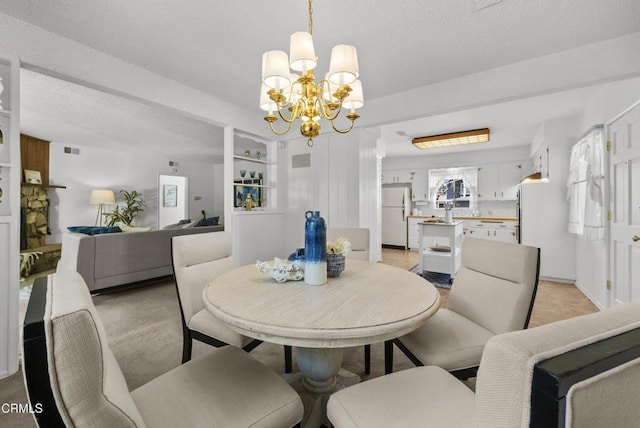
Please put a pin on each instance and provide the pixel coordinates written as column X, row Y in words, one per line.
column 266, row 103
column 102, row 197
column 355, row 99
column 275, row 70
column 343, row 67
column 302, row 55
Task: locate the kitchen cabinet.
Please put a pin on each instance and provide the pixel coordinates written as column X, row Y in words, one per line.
column 413, row 232
column 495, row 230
column 499, row 182
column 396, row 176
column 540, row 161
column 420, row 186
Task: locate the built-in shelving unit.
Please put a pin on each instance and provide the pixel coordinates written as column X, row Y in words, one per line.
column 9, row 213
column 250, row 159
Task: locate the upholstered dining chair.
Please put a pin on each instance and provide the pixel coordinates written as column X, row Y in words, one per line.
column 493, row 293
column 197, row 259
column 359, row 239
column 580, row 372
column 74, row 380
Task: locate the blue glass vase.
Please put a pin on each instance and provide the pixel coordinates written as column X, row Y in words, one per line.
column 315, row 249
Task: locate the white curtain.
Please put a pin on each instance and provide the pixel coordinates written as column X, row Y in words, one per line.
column 468, row 175
column 585, row 186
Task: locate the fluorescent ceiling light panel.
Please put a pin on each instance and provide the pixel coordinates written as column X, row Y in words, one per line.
column 452, row 139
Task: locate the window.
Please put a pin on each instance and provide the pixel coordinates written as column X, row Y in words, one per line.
column 455, row 186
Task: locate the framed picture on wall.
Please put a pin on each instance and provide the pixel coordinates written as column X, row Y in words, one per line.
column 32, row 177
column 169, row 195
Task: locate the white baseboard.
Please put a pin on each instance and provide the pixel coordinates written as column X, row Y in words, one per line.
column 590, row 297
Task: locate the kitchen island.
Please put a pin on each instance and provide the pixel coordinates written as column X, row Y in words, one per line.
column 435, row 257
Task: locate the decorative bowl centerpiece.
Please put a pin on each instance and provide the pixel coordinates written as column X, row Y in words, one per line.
column 280, row 270
column 336, row 251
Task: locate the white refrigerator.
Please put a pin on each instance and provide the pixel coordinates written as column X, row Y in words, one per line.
column 396, row 206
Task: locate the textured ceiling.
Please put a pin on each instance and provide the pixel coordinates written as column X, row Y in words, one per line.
column 216, row 46
column 86, row 116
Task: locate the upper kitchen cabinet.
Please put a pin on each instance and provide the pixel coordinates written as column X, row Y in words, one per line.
column 541, row 161
column 420, row 186
column 499, row 182
column 397, row 176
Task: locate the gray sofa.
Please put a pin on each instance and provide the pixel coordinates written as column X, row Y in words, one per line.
column 112, row 259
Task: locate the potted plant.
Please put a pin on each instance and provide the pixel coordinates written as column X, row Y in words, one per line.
column 135, row 205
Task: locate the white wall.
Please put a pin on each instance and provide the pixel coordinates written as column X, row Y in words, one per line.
column 558, row 260
column 341, row 183
column 97, row 168
column 592, row 256
column 467, row 158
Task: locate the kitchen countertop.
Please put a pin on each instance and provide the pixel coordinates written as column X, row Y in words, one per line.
column 469, row 218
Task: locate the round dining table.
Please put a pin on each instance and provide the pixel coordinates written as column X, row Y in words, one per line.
column 368, row 303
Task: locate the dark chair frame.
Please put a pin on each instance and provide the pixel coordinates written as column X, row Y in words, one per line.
column 34, row 359
column 552, row 378
column 189, row 335
column 461, row 374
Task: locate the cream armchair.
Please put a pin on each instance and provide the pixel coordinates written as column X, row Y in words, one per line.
column 74, row 380
column 580, row 372
column 493, row 293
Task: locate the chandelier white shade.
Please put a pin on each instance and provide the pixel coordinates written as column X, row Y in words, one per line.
column 275, row 69
column 343, row 68
column 303, row 55
column 292, row 96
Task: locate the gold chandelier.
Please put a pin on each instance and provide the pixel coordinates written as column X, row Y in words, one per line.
column 295, row 96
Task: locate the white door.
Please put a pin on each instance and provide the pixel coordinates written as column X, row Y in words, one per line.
column 624, row 245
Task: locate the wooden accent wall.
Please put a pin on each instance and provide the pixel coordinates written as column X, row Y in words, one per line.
column 34, row 154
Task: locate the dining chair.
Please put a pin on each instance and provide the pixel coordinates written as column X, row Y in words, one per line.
column 579, row 372
column 74, row 380
column 197, row 259
column 359, row 239
column 493, row 292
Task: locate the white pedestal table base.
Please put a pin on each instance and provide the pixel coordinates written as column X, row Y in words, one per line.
column 320, row 376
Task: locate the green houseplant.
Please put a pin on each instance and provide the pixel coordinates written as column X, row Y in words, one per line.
column 135, row 205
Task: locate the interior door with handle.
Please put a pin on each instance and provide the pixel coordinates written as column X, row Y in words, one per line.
column 624, row 244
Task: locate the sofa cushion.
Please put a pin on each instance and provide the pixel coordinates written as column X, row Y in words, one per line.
column 211, row 221
column 94, row 230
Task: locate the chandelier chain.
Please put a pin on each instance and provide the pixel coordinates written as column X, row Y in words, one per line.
column 310, row 18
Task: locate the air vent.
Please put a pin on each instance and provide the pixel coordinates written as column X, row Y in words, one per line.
column 481, row 4
column 301, row 161
column 72, row 151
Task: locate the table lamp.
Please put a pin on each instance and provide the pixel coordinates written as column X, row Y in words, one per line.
column 101, row 197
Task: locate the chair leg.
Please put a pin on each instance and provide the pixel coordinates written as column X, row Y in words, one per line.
column 367, row 359
column 388, row 357
column 187, row 342
column 288, row 359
